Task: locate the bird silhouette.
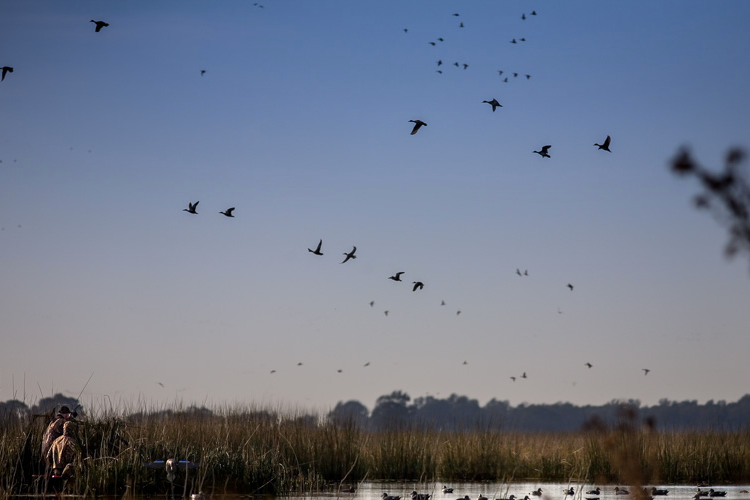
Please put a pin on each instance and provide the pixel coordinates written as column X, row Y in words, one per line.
column 515, row 75
column 191, row 208
column 440, row 61
column 645, row 371
column 397, row 276
column 366, row 364
column 317, row 250
column 604, row 146
column 494, row 104
column 417, row 125
column 350, row 255
column 99, row 25
column 385, row 312
column 461, row 25
column 513, row 379
column 6, row 70
column 533, row 12
column 372, row 303
column 528, row 76
column 456, row 14
column 228, row 212
column 203, row 72
column 518, row 272
column 570, row 286
column 523, row 375
column 432, row 43
column 513, row 41
column 505, row 79
column 589, row 365
column 417, row 285
column 299, row 364
column 522, row 39
column 406, row 30
column 544, row 153
column 441, row 40
column 500, row 72
column 466, row 65
column 523, row 16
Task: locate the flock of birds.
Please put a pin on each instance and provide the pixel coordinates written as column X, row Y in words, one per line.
column 589, row 495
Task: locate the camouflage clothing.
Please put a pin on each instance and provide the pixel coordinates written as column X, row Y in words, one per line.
column 54, row 430
column 63, row 452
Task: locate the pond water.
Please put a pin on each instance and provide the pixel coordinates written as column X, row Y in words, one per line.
column 373, row 490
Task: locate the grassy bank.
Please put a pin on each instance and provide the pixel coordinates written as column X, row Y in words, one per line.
column 246, row 451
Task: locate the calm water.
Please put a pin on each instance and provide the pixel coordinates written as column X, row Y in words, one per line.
column 551, row 491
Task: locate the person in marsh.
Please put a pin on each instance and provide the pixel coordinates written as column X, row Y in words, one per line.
column 64, row 452
column 55, row 430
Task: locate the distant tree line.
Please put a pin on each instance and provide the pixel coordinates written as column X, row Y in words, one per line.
column 459, row 413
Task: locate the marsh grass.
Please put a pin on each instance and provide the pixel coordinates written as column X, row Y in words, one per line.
column 242, row 450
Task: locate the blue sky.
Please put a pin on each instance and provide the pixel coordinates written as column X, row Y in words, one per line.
column 301, row 122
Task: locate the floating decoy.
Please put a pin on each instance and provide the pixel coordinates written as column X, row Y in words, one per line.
column 538, row 492
column 350, row 255
column 598, row 490
column 419, row 496
column 317, row 250
column 570, row 491
column 494, row 104
column 6, row 70
column 481, row 497
column 447, row 490
column 417, row 125
column 604, row 146
column 191, row 208
column 570, row 286
column 349, row 490
column 397, row 276
column 544, row 153
column 417, row 284
column 715, row 493
column 386, row 496
column 512, row 497
column 645, row 371
column 99, row 25
column 657, row 492
column 589, row 365
column 619, row 491
column 228, row 212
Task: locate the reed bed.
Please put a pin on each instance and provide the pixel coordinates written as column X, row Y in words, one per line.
column 259, row 451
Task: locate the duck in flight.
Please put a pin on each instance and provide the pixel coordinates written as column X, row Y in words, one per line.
column 191, row 208
column 6, row 70
column 645, row 371
column 99, row 25
column 589, row 365
column 417, row 125
column 397, row 276
column 317, row 250
column 604, row 146
column 494, row 104
column 350, row 255
column 544, row 153
column 228, row 212
column 570, row 286
column 417, row 285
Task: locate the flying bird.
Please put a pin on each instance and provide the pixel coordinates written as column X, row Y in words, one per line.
column 456, row 14
column 228, row 212
column 645, row 371
column 99, row 25
column 544, row 153
column 366, row 364
column 523, row 16
column 589, row 365
column 440, row 61
column 417, row 285
column 6, row 70
column 417, row 125
column 191, row 208
column 494, row 104
column 397, row 276
column 372, row 303
column 513, row 41
column 518, row 272
column 203, row 71
column 317, row 249
column 350, row 255
column 524, row 375
column 604, row 146
column 466, row 65
column 513, row 379
column 528, row 76
column 441, row 39
column 432, row 43
column 533, row 12
column 570, row 286
column 461, row 25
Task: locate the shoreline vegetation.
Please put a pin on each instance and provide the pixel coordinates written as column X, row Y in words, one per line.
column 250, row 451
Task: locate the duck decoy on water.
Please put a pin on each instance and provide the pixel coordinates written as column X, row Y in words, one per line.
column 570, row 491
column 657, row 492
column 512, row 497
column 536, row 493
column 445, row 488
column 191, row 208
column 598, row 490
column 350, row 255
column 99, row 25
column 417, row 125
column 317, row 250
column 228, row 212
column 386, row 496
column 6, row 69
column 715, row 493
column 544, row 152
column 620, row 491
column 419, row 496
column 481, row 497
column 494, row 104
column 605, row 146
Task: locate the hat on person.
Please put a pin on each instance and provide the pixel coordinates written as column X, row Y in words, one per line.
column 64, row 409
